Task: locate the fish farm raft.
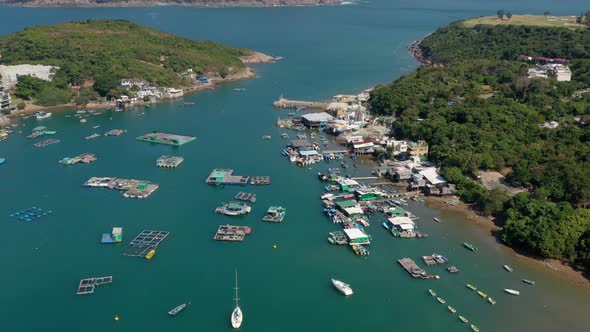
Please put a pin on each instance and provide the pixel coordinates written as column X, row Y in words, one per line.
column 85, row 158
column 163, row 138
column 231, row 233
column 144, row 243
column 131, row 188
column 88, row 285
column 221, row 176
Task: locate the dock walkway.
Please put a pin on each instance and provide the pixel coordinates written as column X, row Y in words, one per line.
column 231, row 233
column 413, row 269
column 260, row 180
column 144, row 242
column 286, row 103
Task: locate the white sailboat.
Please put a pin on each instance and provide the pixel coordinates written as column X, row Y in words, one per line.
column 236, row 315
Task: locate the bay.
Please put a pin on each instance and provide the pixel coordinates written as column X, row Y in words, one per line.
column 326, row 50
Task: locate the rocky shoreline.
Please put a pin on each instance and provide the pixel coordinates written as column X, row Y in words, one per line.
column 154, row 3
column 416, row 51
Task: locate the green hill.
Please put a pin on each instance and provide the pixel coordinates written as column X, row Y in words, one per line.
column 463, row 41
column 116, row 49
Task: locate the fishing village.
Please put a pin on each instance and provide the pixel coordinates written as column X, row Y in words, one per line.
column 329, row 139
column 328, row 178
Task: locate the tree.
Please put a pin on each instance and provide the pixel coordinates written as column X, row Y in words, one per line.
column 106, row 82
column 21, row 105
column 52, row 96
column 500, row 14
column 28, row 86
column 85, row 95
column 508, row 15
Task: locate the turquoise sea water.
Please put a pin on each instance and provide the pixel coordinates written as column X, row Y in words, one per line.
column 327, row 50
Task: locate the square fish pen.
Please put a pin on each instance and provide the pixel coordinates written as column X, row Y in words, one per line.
column 144, row 242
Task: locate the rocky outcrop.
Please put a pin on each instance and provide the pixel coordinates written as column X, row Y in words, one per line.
column 147, row 3
column 4, row 121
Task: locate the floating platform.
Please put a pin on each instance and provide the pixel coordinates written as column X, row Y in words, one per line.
column 221, row 176
column 131, row 188
column 115, row 132
column 260, row 180
column 275, row 214
column 338, row 238
column 164, row 138
column 244, row 196
column 169, row 161
column 231, row 233
column 31, row 214
column 85, row 158
column 46, row 142
column 144, row 243
column 115, row 236
column 88, row 285
column 413, row 269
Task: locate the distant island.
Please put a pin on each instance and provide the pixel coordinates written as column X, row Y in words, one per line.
column 147, row 3
column 504, row 104
column 94, row 60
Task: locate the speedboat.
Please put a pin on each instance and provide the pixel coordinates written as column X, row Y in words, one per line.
column 343, row 287
column 474, row 328
column 470, row 286
column 177, row 309
column 469, row 246
column 451, row 309
column 463, row 319
column 526, row 281
column 508, row 268
column 436, row 219
column 431, row 292
column 482, row 294
column 441, row 300
column 42, row 115
column 511, row 291
column 2, row 160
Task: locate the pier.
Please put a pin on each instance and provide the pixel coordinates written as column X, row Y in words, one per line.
column 231, row 233
column 46, row 142
column 164, row 138
column 286, row 103
column 88, row 285
column 144, row 242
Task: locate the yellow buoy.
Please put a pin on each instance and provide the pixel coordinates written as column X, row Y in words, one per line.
column 116, row 317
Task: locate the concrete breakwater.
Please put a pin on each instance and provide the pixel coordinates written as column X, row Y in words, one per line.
column 286, row 103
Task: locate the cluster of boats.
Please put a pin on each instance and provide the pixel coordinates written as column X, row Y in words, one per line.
column 481, row 293
column 452, row 310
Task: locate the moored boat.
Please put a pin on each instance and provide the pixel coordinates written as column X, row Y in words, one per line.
column 512, row 291
column 150, row 254
column 470, row 286
column 275, row 214
column 482, row 294
column 2, row 161
column 463, row 319
column 474, row 328
column 42, row 115
column 526, row 281
column 451, row 309
column 441, row 300
column 173, row 312
column 431, row 292
column 492, row 301
column 469, row 246
column 508, row 268
column 343, row 287
column 234, row 209
column 436, row 219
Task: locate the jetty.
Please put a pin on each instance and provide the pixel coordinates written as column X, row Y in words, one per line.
column 143, row 243
column 164, row 138
column 87, row 286
column 244, row 196
column 260, row 180
column 435, row 259
column 231, row 233
column 221, row 176
column 85, row 158
column 115, row 132
column 286, row 103
column 169, row 161
column 413, row 269
column 131, row 188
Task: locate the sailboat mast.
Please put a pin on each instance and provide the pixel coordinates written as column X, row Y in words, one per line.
column 237, row 298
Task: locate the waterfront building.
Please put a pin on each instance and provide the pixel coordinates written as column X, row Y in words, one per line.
column 347, row 184
column 418, row 149
column 368, row 194
column 316, row 120
column 5, row 99
column 356, row 236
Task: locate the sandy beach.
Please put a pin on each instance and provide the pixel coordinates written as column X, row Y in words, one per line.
column 486, row 224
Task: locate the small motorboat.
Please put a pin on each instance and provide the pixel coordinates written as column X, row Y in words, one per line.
column 508, row 268
column 441, row 300
column 150, row 254
column 526, row 281
column 482, row 294
column 470, row 286
column 492, row 301
column 451, row 309
column 512, row 291
column 173, row 312
column 474, row 328
column 463, row 319
column 431, row 292
column 436, row 219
